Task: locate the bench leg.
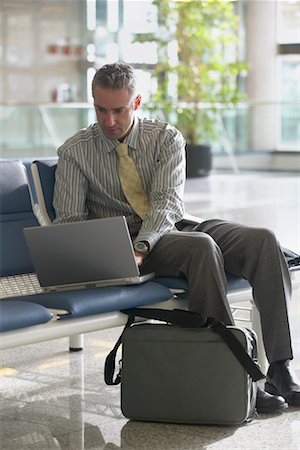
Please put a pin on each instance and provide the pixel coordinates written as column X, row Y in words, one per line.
column 256, row 326
column 76, row 342
column 76, row 411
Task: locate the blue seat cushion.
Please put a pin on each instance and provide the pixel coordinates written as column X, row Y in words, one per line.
column 86, row 302
column 16, row 314
column 234, row 283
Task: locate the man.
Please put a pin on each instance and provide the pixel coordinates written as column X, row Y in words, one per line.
column 88, row 186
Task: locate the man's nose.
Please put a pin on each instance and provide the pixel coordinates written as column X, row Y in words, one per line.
column 110, row 120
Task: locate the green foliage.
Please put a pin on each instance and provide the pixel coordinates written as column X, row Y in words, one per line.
column 207, row 68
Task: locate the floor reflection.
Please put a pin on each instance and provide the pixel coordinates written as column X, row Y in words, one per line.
column 51, row 399
column 42, row 425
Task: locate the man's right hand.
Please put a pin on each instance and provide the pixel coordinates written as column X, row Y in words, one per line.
column 139, row 258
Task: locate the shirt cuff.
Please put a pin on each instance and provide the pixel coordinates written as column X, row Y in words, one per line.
column 151, row 237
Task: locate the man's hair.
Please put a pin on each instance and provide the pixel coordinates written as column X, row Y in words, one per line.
column 115, row 76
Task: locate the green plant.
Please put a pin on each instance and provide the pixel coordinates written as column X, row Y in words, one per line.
column 205, row 69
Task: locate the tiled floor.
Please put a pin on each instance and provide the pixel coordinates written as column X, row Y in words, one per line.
column 51, row 399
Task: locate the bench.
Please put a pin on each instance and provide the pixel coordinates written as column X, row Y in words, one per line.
column 27, row 314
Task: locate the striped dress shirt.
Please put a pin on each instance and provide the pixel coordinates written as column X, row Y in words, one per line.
column 87, row 184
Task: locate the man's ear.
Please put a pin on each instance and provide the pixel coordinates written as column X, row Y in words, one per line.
column 137, row 102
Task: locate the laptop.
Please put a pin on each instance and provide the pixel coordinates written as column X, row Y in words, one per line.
column 86, row 254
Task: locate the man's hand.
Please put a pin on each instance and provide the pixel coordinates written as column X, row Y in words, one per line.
column 141, row 249
column 139, row 258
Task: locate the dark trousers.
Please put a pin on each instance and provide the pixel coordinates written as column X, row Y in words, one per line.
column 215, row 246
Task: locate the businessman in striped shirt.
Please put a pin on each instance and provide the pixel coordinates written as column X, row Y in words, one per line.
column 88, row 187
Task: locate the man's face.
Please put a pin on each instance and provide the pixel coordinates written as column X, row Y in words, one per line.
column 115, row 109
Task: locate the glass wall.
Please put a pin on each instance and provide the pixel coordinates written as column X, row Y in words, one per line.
column 288, row 39
column 119, row 23
column 288, row 20
column 289, row 114
column 61, row 44
column 38, row 130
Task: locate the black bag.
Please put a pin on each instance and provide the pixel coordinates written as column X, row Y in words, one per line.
column 292, row 259
column 187, row 370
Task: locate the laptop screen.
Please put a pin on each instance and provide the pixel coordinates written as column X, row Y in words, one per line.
column 80, row 252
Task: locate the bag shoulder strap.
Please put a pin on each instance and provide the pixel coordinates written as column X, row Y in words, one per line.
column 185, row 319
column 237, row 349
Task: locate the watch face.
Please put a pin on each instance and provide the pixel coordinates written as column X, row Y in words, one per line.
column 141, row 247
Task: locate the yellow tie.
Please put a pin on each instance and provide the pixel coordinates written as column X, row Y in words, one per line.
column 131, row 182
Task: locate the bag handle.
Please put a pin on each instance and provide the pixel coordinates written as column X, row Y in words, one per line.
column 110, row 361
column 185, row 319
column 179, row 317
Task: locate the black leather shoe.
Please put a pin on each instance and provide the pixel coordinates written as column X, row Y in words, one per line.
column 281, row 380
column 266, row 403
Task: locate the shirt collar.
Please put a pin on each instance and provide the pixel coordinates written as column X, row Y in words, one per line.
column 108, row 144
column 131, row 140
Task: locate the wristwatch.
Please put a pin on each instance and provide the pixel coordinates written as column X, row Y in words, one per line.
column 141, row 247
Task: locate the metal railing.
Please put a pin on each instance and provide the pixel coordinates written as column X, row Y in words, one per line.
column 28, row 130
